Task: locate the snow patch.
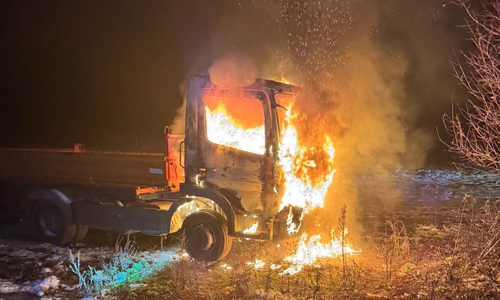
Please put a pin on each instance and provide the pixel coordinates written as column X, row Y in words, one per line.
column 38, row 287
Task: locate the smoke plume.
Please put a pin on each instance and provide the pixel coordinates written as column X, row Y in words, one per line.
column 233, row 70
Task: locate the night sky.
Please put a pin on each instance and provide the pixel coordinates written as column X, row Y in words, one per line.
column 104, row 73
column 109, row 74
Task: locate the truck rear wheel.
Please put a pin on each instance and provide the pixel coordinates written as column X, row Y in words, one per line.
column 53, row 224
column 206, row 236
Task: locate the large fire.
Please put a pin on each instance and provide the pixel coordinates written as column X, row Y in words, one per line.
column 308, row 172
column 306, row 187
column 301, row 187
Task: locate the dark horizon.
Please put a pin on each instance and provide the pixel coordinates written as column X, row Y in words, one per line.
column 106, row 74
column 109, row 74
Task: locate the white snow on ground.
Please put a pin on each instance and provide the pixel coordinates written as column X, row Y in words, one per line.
column 13, row 251
column 37, row 287
column 45, row 259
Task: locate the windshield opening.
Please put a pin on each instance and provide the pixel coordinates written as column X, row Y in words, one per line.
column 235, row 121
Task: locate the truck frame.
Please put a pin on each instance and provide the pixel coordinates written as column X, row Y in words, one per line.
column 205, row 184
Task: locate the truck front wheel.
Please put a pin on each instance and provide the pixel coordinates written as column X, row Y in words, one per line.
column 206, row 236
column 53, row 223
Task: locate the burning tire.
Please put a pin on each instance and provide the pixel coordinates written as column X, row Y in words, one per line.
column 206, row 236
column 52, row 223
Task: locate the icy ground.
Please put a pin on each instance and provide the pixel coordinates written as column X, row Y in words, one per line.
column 440, row 185
column 29, row 270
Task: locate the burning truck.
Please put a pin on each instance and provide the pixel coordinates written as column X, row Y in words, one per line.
column 238, row 171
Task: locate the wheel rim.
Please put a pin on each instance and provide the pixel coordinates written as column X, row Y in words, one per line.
column 202, row 238
column 49, row 223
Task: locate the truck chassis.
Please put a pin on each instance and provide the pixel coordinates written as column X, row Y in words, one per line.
column 63, row 192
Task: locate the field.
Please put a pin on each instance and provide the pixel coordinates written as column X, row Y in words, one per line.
column 436, row 244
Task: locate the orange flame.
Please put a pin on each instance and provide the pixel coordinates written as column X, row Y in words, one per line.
column 292, row 227
column 303, row 187
column 229, row 133
column 251, row 229
column 308, row 172
column 310, row 251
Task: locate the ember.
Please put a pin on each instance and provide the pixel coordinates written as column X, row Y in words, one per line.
column 257, row 264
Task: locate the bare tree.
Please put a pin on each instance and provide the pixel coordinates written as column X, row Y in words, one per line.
column 475, row 129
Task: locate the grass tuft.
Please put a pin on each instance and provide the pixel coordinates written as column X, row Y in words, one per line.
column 125, row 267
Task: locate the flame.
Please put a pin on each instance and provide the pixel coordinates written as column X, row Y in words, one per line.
column 308, row 173
column 251, row 229
column 222, row 129
column 291, row 226
column 257, row 264
column 310, row 251
column 304, row 186
column 284, row 80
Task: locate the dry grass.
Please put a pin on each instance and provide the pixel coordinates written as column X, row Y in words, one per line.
column 126, row 266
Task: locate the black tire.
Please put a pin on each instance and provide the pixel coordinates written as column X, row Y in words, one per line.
column 53, row 223
column 206, row 236
column 80, row 233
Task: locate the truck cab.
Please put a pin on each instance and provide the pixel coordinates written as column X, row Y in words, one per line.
column 220, row 179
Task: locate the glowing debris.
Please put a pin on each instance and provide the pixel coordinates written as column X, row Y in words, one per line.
column 257, row 264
